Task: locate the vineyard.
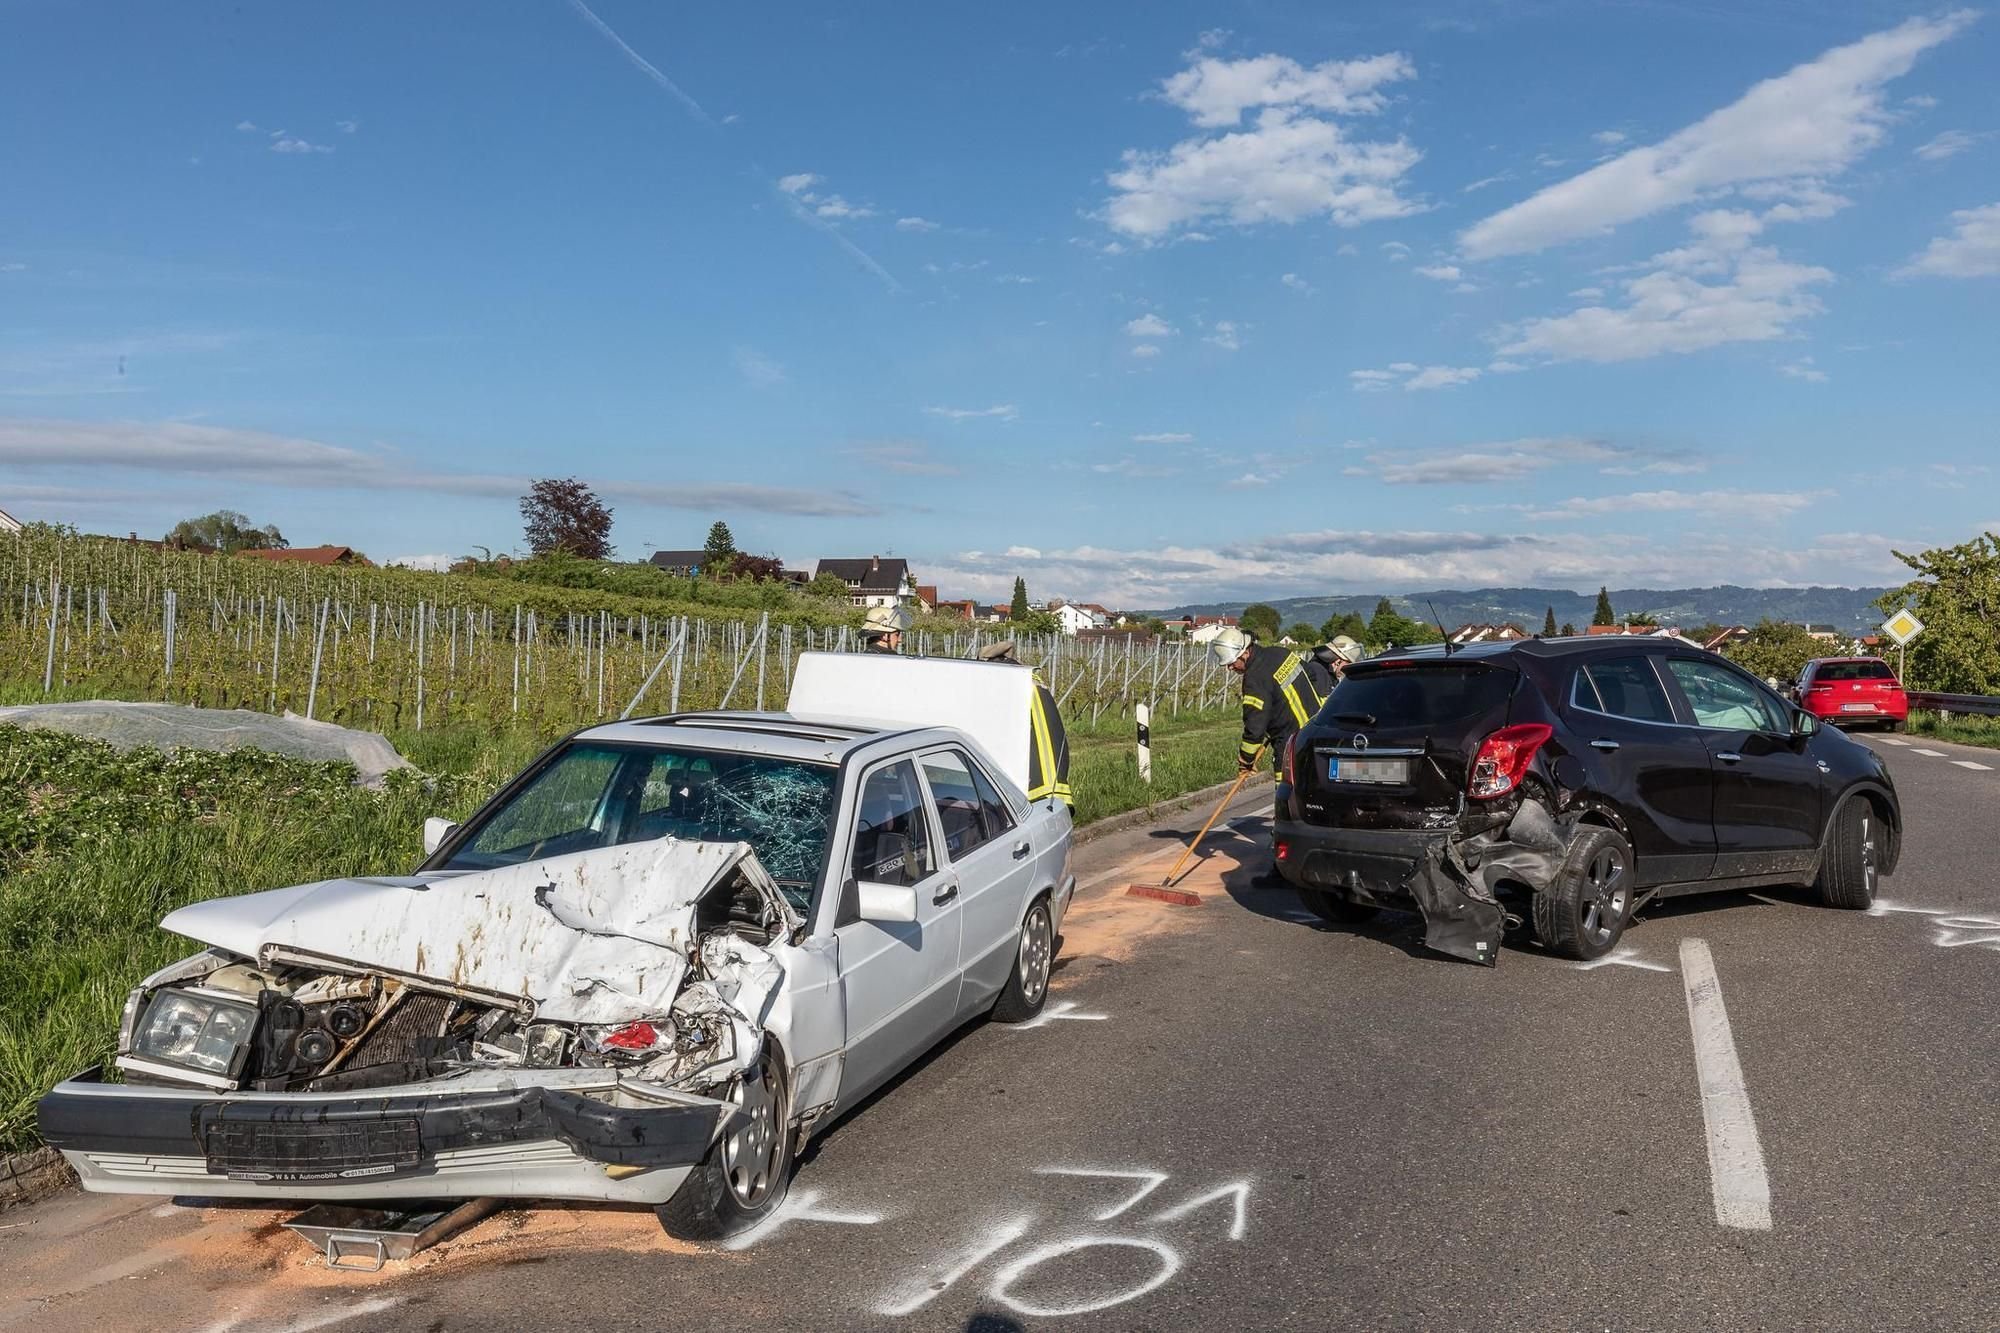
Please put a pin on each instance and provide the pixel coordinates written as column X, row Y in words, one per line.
column 399, row 650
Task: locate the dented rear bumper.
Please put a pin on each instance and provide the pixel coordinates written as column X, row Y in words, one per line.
column 1402, row 869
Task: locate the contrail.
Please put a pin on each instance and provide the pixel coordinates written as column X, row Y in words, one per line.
column 646, row 67
column 793, row 206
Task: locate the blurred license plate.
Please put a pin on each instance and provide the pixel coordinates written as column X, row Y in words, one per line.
column 1857, row 708
column 1371, row 770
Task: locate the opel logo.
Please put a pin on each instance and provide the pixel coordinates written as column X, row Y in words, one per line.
column 1360, row 742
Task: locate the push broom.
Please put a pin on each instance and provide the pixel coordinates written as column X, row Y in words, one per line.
column 1165, row 890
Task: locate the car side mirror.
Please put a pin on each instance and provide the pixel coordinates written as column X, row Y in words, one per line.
column 436, row 830
column 885, row 902
column 1803, row 723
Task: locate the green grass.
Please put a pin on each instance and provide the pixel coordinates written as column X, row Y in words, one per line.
column 97, row 845
column 1964, row 730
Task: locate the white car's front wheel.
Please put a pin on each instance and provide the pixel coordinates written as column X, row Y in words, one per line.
column 1027, row 988
column 743, row 1178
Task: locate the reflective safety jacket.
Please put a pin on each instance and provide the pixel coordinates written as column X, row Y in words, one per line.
column 1281, row 692
column 1048, row 749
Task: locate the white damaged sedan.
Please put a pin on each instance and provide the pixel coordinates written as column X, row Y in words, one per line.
column 645, row 971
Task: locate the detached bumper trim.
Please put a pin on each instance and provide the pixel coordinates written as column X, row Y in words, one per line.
column 1372, row 866
column 86, row 1115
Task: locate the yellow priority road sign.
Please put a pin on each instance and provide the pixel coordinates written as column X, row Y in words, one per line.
column 1903, row 626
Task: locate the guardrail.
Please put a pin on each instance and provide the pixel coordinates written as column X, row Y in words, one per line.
column 1977, row 705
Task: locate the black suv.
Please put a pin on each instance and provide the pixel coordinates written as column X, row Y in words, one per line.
column 1572, row 780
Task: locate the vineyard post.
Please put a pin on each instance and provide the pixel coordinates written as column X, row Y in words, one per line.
column 679, row 650
column 517, row 659
column 603, row 641
column 372, row 609
column 277, row 627
column 49, row 665
column 420, row 666
column 171, row 601
column 763, row 632
column 319, row 646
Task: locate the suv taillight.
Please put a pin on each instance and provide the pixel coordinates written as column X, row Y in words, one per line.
column 1291, row 772
column 1503, row 757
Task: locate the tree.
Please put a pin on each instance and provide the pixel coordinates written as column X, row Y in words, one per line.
column 718, row 553
column 1018, row 611
column 1568, row 629
column 1957, row 595
column 1302, row 633
column 226, row 531
column 830, row 587
column 1349, row 623
column 1775, row 650
column 565, row 515
column 1260, row 619
column 755, row 567
column 1604, row 615
column 1036, row 622
column 1389, row 628
column 1645, row 619
column 1549, row 623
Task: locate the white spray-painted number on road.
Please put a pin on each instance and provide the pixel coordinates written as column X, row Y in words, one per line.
column 1022, row 1282
column 1061, row 1009
column 803, row 1206
column 1622, row 957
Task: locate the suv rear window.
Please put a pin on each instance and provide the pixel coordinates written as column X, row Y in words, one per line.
column 1421, row 695
column 1623, row 687
column 1852, row 671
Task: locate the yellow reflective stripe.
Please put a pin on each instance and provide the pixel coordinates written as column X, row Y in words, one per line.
column 1250, row 747
column 1252, row 701
column 1298, row 709
column 1044, row 748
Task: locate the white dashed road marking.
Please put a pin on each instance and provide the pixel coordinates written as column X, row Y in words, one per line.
column 1891, row 740
column 1929, row 754
column 1740, row 1185
column 1977, row 768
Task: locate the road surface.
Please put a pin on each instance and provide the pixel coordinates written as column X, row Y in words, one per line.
column 1760, row 1114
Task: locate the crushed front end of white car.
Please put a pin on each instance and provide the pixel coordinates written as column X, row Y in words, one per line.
column 584, row 1026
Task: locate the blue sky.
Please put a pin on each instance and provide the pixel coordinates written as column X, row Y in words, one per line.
column 1149, row 303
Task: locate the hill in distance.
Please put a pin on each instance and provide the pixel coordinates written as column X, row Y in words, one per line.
column 1834, row 608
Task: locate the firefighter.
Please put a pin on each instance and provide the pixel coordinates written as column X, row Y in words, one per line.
column 1048, row 747
column 1281, row 692
column 1337, row 654
column 882, row 629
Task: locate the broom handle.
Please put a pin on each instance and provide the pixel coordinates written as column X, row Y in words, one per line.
column 1221, row 805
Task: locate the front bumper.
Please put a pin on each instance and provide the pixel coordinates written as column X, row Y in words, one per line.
column 569, row 1134
column 1398, row 868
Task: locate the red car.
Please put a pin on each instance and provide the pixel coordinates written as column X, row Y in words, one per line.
column 1848, row 691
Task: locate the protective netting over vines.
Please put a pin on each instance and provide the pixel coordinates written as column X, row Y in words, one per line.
column 167, row 726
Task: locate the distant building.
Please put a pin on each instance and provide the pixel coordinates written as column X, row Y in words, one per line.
column 927, row 596
column 873, row 581
column 681, row 564
column 1481, row 633
column 1189, row 624
column 1075, row 618
column 964, row 610
column 310, row 555
column 8, row 523
column 1635, row 631
column 1721, row 640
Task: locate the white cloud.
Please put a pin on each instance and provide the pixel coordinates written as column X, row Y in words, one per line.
column 1516, row 460
column 1145, row 351
column 1504, row 367
column 758, row 371
column 1016, row 279
column 1216, row 93
column 1811, row 122
column 1948, row 144
column 13, row 266
column 258, row 458
column 1297, row 284
column 1150, row 326
column 1396, row 251
column 910, row 458
column 1802, row 369
column 1922, row 101
column 1608, row 138
column 999, row 412
column 798, row 182
column 833, row 206
column 1971, row 251
column 1250, row 480
column 347, row 126
column 1485, row 181
column 1741, row 504
column 1131, row 467
column 1164, row 437
column 436, row 564
column 1588, row 293
column 1441, row 272
column 1412, row 376
column 282, row 142
column 246, row 126
column 915, row 224
column 1226, row 334
column 1668, row 308
column 1954, row 476
column 1289, row 164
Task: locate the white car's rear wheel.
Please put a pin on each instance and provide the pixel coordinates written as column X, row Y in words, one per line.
column 1027, row 989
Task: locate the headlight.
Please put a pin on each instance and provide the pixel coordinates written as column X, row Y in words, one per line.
column 200, row 1035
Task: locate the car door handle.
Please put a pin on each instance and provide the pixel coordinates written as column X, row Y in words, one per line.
column 1022, row 848
column 944, row 895
column 1730, row 757
column 1601, row 744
